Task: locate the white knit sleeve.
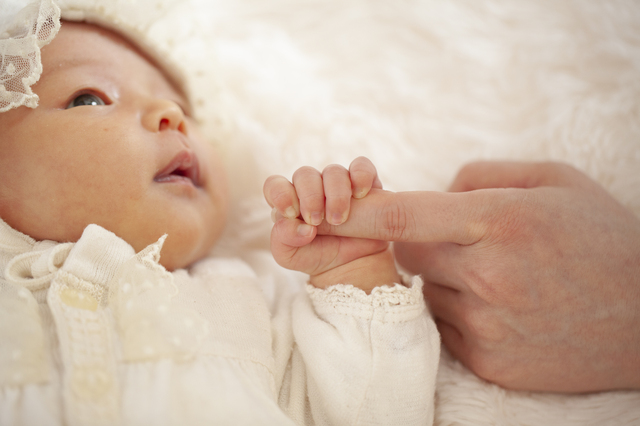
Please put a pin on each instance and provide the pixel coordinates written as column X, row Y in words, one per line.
column 364, row 359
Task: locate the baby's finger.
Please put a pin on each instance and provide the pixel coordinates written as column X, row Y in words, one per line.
column 308, row 185
column 364, row 176
column 281, row 195
column 292, row 233
column 295, row 245
column 288, row 238
column 337, row 191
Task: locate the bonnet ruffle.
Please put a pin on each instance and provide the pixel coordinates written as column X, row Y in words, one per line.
column 24, row 29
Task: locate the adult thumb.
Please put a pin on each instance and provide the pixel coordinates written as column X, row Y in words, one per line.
column 516, row 174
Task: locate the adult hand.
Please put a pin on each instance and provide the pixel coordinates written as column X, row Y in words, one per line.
column 532, row 271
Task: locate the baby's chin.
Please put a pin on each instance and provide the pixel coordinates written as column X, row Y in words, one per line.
column 172, row 261
column 177, row 254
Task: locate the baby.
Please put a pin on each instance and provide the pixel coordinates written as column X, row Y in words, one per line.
column 111, row 310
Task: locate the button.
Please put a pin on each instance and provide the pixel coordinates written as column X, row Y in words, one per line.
column 78, row 299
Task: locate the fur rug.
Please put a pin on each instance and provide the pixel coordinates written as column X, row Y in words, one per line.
column 422, row 87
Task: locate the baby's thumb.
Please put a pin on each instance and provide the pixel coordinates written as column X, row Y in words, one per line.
column 287, row 236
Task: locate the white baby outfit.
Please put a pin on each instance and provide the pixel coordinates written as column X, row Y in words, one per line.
column 95, row 334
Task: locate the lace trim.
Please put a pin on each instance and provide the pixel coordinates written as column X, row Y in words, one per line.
column 150, row 324
column 347, row 294
column 20, row 65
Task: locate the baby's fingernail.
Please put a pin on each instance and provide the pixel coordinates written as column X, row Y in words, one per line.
column 359, row 193
column 274, row 212
column 305, row 230
column 290, row 213
column 337, row 219
column 316, row 218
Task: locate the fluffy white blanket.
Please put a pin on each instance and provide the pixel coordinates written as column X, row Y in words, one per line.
column 421, row 87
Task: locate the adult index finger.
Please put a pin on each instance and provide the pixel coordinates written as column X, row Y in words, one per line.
column 425, row 216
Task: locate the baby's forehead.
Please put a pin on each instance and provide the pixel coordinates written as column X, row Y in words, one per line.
column 27, row 30
column 81, row 44
column 84, row 47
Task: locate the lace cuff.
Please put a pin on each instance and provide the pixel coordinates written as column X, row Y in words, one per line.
column 385, row 303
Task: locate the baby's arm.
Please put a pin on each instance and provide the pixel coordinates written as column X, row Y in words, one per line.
column 356, row 359
column 301, row 205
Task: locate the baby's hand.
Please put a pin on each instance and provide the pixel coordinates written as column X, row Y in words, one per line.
column 301, row 206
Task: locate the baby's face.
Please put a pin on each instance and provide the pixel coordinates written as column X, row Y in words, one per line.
column 135, row 165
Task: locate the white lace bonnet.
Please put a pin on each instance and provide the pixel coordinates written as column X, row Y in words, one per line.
column 28, row 25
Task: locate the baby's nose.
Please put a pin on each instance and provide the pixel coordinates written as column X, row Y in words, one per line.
column 164, row 114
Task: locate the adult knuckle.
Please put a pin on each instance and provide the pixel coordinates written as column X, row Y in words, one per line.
column 513, row 218
column 394, row 221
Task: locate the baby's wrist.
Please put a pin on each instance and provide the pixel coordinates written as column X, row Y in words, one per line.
column 365, row 273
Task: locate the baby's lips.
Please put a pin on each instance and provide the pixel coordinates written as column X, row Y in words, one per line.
column 184, row 164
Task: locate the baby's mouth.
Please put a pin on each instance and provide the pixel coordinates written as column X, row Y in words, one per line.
column 182, row 168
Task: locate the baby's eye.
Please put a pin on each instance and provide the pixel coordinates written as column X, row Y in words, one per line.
column 86, row 99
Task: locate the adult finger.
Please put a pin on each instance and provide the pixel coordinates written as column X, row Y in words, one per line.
column 337, row 191
column 281, row 195
column 308, row 185
column 364, row 176
column 424, row 216
column 514, row 174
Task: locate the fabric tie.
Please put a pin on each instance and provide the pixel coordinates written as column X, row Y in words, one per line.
column 35, row 269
